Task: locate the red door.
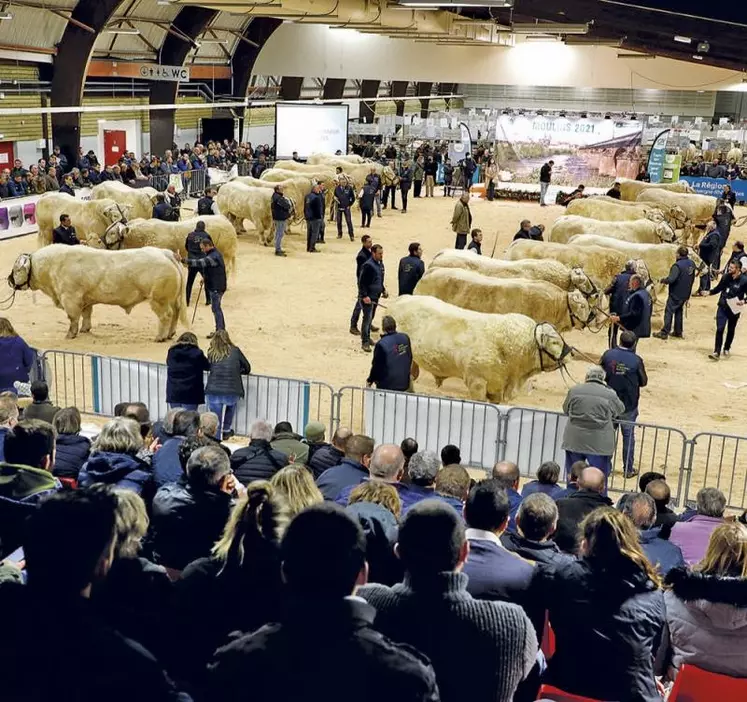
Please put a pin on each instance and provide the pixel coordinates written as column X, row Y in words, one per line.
column 115, row 145
column 6, row 155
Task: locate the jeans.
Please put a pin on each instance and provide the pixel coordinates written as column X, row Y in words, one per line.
column 377, row 202
column 313, row 227
column 725, row 320
column 705, row 281
column 366, row 218
column 604, row 463
column 490, row 193
column 280, row 225
column 430, row 181
column 215, row 298
column 191, row 275
column 322, row 227
column 390, row 189
column 417, row 188
column 404, row 190
column 461, row 241
column 368, row 314
column 628, row 439
column 183, row 405
column 348, row 221
column 543, row 192
column 225, row 407
column 673, row 310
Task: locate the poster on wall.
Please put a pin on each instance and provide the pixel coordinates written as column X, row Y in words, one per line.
column 672, row 166
column 18, row 214
column 594, row 152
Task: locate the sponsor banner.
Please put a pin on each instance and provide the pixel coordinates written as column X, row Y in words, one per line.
column 672, row 165
column 657, row 156
column 18, row 214
column 715, row 186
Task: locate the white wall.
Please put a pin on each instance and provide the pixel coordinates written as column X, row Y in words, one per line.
column 318, row 51
column 134, row 135
column 259, row 134
column 28, row 151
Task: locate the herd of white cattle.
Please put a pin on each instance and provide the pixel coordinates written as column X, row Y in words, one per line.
column 493, row 323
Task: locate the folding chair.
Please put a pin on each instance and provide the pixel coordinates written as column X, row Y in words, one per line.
column 696, row 685
column 553, row 694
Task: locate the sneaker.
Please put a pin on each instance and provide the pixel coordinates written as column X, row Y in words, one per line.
column 354, row 331
column 727, row 353
column 313, row 251
column 660, row 334
column 366, row 348
column 677, row 336
column 339, row 236
column 280, row 253
column 630, row 474
column 228, row 434
column 374, row 329
column 714, row 356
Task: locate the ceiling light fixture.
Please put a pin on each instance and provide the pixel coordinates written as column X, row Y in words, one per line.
column 683, row 40
column 703, row 47
column 697, row 57
column 430, row 5
column 549, row 28
column 6, row 16
column 122, row 31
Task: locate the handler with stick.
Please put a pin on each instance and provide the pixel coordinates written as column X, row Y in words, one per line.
column 214, row 272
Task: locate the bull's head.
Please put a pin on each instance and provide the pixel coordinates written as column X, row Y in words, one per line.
column 114, row 235
column 582, row 282
column 154, row 198
column 116, row 213
column 579, row 309
column 20, row 276
column 655, row 215
column 677, row 217
column 553, row 350
column 665, row 233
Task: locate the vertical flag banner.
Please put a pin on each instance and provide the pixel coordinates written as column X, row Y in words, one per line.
column 657, row 157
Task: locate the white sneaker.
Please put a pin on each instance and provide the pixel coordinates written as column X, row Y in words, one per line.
column 726, row 353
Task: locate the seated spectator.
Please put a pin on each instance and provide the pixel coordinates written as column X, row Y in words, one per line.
column 163, row 430
column 331, row 454
column 351, row 470
column 114, row 460
column 291, row 444
column 135, row 596
column 41, row 407
column 450, row 455
column 26, row 478
column 139, row 412
column 422, row 470
column 607, row 612
column 68, row 547
column 185, row 373
column 577, row 467
column 507, row 475
column 663, row 554
column 409, row 449
column 707, row 607
column 573, row 509
column 71, row 448
column 209, row 423
column 536, row 522
column 188, row 516
column 547, row 481
column 8, row 419
column 258, row 460
column 242, row 572
column 16, row 357
column 326, row 631
column 314, row 435
column 693, row 536
column 661, row 495
column 434, row 598
column 296, row 486
column 649, row 477
column 166, row 466
column 452, row 485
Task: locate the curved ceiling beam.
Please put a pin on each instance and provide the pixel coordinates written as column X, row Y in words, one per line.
column 253, row 38
column 189, row 24
column 369, row 89
column 73, row 54
column 422, row 89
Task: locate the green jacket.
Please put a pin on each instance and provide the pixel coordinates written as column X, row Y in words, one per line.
column 21, row 483
column 289, row 444
column 461, row 220
column 418, row 172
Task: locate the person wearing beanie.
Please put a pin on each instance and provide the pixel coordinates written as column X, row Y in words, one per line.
column 592, row 408
column 314, row 434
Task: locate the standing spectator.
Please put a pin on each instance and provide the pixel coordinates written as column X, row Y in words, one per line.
column 185, row 370
column 491, row 173
column 418, row 173
column 461, row 221
column 8, row 419
column 323, row 560
column 174, row 201
column 545, row 178
column 708, row 250
column 548, row 475
column 344, row 199
column 285, row 440
column 363, row 255
column 282, row 209
column 589, row 435
column 692, row 536
column 433, row 597
column 71, row 448
column 476, row 243
column 258, row 460
column 573, row 509
column 411, row 269
column 370, row 289
column 213, row 269
column 65, row 233
column 165, row 463
column 706, row 607
column 732, row 289
column 330, row 455
column 194, row 250
column 431, row 170
column 448, row 176
column 636, row 312
column 607, row 612
column 618, row 291
column 225, row 386
column 392, row 361
column 313, row 212
column 16, row 357
column 680, row 281
column 351, row 470
column 366, row 199
column 41, row 407
column 625, row 373
column 507, row 475
column 296, row 485
column 405, row 181
column 468, row 171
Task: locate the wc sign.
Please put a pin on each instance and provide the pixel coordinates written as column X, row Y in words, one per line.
column 172, row 74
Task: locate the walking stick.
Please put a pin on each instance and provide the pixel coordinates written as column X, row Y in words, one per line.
column 197, row 300
column 495, row 243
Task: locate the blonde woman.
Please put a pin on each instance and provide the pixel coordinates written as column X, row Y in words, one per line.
column 238, row 588
column 378, row 493
column 16, row 357
column 296, row 484
column 707, row 606
column 225, row 385
column 114, row 460
column 607, row 611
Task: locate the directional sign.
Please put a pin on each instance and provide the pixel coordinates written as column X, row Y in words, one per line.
column 173, row 74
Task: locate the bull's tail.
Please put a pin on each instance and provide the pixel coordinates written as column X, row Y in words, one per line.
column 179, row 304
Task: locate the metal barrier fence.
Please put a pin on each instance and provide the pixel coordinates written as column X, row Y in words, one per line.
column 193, row 182
column 717, row 460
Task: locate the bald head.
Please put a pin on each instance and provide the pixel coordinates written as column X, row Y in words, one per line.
column 660, row 493
column 591, row 479
column 507, row 474
column 340, row 438
column 387, row 463
column 641, row 509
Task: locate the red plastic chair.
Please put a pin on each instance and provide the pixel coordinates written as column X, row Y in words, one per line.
column 696, row 685
column 548, row 692
column 69, row 483
column 548, row 639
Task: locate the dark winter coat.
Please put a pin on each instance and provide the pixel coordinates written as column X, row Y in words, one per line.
column 225, row 376
column 381, row 528
column 571, row 512
column 165, row 464
column 323, row 458
column 660, row 551
column 45, row 411
column 185, row 371
column 258, row 461
column 71, row 452
column 347, row 472
column 16, row 360
column 116, row 469
column 541, row 552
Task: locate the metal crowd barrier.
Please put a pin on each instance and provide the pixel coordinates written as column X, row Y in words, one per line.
column 717, row 460
column 193, row 182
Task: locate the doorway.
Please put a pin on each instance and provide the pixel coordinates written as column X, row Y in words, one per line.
column 6, row 155
column 115, row 145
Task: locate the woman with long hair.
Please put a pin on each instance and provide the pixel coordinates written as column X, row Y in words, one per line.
column 491, row 173
column 238, row 588
column 607, row 612
column 295, row 483
column 185, row 369
column 16, row 357
column 225, row 385
column 707, row 606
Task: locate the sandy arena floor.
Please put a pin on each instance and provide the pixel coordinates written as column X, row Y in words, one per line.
column 291, row 316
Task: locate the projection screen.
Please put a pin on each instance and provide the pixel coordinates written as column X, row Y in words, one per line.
column 310, row 129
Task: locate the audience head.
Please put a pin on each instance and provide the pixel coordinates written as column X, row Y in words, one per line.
column 340, row 438
column 710, row 502
column 187, row 423
column 9, row 412
column 726, row 555
column 548, row 473
column 450, row 455
column 453, row 481
column 507, row 475
column 432, row 539
column 659, row 491
column 641, row 510
column 283, row 428
column 209, row 468
column 388, row 325
column 423, row 468
column 209, row 423
column 6, row 328
column 314, row 432
column 31, row 443
column 409, row 449
column 537, row 517
column 592, row 479
column 119, row 408
column 119, row 435
column 130, row 521
column 378, row 493
column 260, row 430
column 296, row 485
column 487, row 507
column 359, row 448
column 139, row 412
column 39, row 391
column 647, row 478
column 627, row 339
column 324, row 554
column 387, row 463
column 66, row 421
column 220, row 345
column 188, row 447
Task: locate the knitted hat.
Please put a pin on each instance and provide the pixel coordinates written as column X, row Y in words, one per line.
column 314, row 431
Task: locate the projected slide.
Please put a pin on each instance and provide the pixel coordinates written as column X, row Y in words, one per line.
column 310, row 129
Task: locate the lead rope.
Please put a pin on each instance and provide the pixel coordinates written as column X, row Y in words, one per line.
column 7, row 303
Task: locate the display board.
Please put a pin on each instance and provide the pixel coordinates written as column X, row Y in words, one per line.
column 715, row 186
column 310, row 129
column 18, row 214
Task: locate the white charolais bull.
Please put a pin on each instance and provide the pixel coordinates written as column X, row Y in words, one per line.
column 643, row 231
column 698, row 208
column 239, row 202
column 495, row 354
column 538, row 299
column 91, row 218
column 139, row 233
column 327, row 158
column 139, row 200
column 608, row 210
column 551, row 271
column 79, row 277
column 296, row 188
column 630, row 189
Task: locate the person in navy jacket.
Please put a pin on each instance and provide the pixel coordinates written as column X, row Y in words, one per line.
column 392, row 359
column 351, row 470
column 680, row 281
column 411, row 269
column 186, row 365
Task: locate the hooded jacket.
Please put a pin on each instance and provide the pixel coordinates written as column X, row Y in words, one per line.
column 591, row 408
column 381, row 528
column 707, row 617
column 185, row 368
column 71, row 452
column 117, row 469
column 291, row 444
